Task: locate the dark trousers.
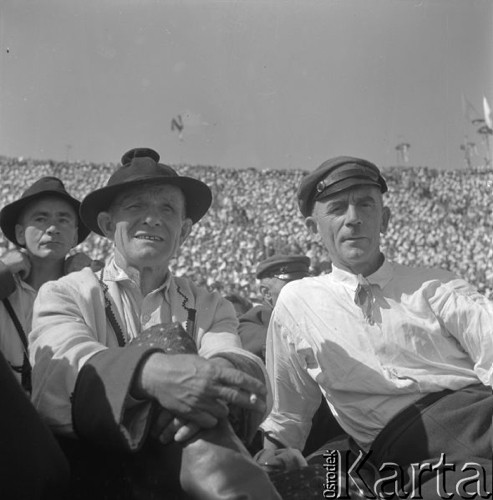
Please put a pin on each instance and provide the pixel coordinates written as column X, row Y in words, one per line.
column 450, row 434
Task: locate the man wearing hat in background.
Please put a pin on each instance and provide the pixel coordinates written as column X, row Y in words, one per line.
column 44, row 224
column 273, row 273
column 404, row 356
column 115, row 352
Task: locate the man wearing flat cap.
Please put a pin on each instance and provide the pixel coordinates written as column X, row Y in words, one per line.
column 44, row 225
column 144, row 364
column 273, row 273
column 404, row 356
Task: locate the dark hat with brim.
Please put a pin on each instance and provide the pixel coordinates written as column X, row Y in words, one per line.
column 141, row 166
column 336, row 175
column 284, row 267
column 44, row 187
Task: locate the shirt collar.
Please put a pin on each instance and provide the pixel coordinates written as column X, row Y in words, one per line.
column 380, row 277
column 113, row 272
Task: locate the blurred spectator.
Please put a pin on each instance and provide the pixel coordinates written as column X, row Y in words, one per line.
column 273, row 273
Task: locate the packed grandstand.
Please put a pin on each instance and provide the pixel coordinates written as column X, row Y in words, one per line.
column 440, row 218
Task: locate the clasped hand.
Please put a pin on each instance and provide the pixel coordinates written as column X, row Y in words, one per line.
column 195, row 392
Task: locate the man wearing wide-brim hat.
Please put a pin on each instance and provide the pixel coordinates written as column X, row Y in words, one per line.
column 44, row 225
column 133, row 358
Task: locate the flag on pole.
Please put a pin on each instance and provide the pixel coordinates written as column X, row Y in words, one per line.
column 487, row 113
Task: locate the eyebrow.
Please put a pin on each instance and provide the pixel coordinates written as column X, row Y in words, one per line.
column 47, row 213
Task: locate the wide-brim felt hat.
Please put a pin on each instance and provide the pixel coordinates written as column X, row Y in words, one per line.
column 336, row 175
column 44, row 187
column 141, row 166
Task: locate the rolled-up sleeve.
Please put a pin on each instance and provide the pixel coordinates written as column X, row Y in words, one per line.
column 296, row 396
column 468, row 317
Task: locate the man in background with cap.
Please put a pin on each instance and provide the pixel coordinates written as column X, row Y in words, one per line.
column 44, row 224
column 404, row 356
column 273, row 273
column 115, row 352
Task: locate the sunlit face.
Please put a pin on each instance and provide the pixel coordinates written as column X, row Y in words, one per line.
column 350, row 224
column 48, row 228
column 147, row 225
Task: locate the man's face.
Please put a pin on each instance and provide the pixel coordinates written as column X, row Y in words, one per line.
column 48, row 228
column 349, row 224
column 147, row 225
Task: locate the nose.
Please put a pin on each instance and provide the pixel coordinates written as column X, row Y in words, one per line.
column 153, row 217
column 52, row 229
column 352, row 215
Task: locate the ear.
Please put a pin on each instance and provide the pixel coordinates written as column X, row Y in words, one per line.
column 265, row 292
column 311, row 224
column 105, row 223
column 19, row 234
column 386, row 213
column 186, row 229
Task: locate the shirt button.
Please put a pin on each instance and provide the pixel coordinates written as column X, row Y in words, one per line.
column 146, row 318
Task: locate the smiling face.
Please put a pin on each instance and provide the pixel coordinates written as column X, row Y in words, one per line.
column 147, row 224
column 349, row 224
column 47, row 228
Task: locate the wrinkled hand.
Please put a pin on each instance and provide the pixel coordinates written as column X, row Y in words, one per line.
column 79, row 260
column 17, row 261
column 196, row 391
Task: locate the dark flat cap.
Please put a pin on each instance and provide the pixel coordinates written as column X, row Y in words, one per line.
column 336, row 175
column 140, row 166
column 42, row 188
column 284, row 267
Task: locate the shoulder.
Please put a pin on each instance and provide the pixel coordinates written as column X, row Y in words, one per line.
column 308, row 285
column 422, row 273
column 434, row 284
column 430, row 278
column 85, row 279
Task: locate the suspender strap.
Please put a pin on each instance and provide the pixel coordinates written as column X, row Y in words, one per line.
column 25, row 369
column 110, row 315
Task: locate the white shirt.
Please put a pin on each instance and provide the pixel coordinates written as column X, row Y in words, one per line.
column 430, row 331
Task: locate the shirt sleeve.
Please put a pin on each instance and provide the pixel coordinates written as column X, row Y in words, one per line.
column 296, row 396
column 218, row 335
column 468, row 317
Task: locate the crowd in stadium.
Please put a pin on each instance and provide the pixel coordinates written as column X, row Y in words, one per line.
column 440, row 218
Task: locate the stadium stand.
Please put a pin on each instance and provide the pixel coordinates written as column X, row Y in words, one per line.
column 440, row 218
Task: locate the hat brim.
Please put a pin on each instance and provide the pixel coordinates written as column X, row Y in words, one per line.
column 198, row 198
column 10, row 213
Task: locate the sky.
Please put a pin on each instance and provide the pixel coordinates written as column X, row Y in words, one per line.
column 265, row 84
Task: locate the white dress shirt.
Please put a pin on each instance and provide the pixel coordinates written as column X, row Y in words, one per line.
column 428, row 330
